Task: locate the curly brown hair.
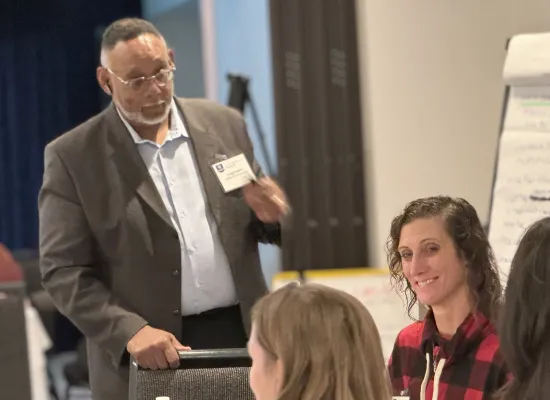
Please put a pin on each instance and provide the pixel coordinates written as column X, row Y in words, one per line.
column 471, row 243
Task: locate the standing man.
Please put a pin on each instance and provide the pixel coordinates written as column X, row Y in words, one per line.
column 145, row 243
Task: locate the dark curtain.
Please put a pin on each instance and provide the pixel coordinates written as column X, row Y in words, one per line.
column 48, row 56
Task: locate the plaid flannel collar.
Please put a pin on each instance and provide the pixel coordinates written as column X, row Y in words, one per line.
column 468, row 336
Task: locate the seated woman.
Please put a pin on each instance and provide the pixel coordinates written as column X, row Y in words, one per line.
column 525, row 318
column 312, row 342
column 439, row 256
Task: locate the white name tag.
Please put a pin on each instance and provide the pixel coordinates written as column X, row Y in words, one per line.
column 234, row 173
column 400, row 398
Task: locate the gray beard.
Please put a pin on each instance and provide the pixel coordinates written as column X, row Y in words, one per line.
column 138, row 118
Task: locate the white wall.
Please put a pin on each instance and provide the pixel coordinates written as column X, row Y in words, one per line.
column 432, row 94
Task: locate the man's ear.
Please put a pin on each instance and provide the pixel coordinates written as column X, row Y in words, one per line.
column 171, row 56
column 103, row 80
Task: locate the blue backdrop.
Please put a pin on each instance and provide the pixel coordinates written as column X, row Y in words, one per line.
column 48, row 55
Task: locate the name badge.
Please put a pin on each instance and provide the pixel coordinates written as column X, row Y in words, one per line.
column 234, row 173
column 400, row 398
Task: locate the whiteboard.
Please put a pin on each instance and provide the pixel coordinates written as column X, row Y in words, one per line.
column 373, row 288
column 528, row 109
column 521, row 193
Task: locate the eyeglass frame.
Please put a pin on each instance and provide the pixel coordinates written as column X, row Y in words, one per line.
column 128, row 82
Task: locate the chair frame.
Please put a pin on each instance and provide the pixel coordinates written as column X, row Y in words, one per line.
column 195, row 359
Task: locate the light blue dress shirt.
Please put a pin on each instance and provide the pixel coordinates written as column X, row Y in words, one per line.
column 206, row 280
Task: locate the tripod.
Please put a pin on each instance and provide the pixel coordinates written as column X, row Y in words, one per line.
column 239, row 97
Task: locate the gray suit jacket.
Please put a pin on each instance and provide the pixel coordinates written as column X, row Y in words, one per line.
column 110, row 257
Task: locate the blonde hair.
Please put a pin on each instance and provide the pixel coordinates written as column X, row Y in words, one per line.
column 327, row 342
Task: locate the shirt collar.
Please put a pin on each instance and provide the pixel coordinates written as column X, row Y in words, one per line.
column 472, row 331
column 176, row 130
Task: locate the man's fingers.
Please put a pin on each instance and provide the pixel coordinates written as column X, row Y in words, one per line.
column 272, row 196
column 262, row 199
column 160, row 359
column 279, row 202
column 268, row 218
column 172, row 352
column 178, row 345
column 265, row 181
column 144, row 361
column 152, row 359
column 266, row 199
column 172, row 356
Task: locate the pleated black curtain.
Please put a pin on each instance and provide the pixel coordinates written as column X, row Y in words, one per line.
column 48, row 56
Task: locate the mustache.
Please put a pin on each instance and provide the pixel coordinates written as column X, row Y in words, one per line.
column 156, row 103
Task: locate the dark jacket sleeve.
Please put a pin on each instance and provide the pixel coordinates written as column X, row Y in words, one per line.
column 265, row 233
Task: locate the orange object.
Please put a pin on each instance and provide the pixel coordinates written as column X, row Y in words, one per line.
column 10, row 271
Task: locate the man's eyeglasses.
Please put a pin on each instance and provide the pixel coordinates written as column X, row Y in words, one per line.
column 161, row 79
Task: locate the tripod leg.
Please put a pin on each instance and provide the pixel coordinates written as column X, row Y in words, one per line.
column 261, row 136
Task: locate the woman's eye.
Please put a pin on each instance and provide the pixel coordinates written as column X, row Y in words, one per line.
column 406, row 256
column 432, row 249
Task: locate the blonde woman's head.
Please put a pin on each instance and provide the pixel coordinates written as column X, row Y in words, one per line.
column 312, row 342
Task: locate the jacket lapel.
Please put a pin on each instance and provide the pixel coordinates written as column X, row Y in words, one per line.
column 205, row 146
column 131, row 166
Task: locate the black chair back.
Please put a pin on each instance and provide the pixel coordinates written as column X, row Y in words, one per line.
column 202, row 375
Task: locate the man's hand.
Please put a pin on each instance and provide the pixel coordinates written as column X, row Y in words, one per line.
column 155, row 349
column 266, row 199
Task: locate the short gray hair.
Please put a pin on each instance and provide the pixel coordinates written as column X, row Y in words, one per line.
column 123, row 30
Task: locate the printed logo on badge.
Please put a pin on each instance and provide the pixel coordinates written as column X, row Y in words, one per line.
column 220, row 168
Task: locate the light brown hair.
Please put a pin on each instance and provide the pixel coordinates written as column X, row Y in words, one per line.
column 327, row 342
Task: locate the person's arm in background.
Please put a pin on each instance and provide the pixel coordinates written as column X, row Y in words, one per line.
column 71, row 276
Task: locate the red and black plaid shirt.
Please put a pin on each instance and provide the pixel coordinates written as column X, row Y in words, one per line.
column 473, row 370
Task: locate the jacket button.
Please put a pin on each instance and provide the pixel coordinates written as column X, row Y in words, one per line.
column 176, row 312
column 176, row 272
